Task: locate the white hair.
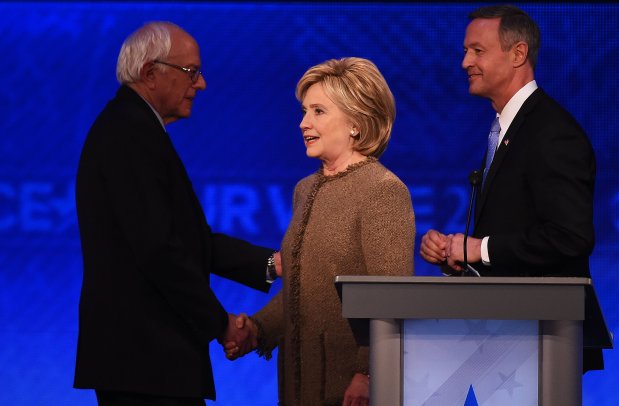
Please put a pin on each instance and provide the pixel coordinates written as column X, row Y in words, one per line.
column 148, row 43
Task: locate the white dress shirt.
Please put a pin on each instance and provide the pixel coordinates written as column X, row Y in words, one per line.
column 505, row 120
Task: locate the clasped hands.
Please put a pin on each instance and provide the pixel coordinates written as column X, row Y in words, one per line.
column 448, row 250
column 241, row 336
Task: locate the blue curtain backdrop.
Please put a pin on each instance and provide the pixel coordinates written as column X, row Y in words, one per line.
column 243, row 149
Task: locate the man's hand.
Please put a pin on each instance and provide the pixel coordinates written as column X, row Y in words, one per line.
column 455, row 251
column 358, row 391
column 278, row 263
column 433, row 247
column 240, row 337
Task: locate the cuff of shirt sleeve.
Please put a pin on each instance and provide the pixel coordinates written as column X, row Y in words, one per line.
column 485, row 256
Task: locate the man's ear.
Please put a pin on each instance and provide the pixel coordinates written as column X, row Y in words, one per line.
column 148, row 74
column 520, row 51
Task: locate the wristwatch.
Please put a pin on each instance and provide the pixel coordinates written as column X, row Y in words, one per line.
column 271, row 272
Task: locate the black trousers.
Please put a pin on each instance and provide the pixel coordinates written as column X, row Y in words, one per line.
column 106, row 398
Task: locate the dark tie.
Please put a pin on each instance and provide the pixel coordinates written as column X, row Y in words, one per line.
column 493, row 139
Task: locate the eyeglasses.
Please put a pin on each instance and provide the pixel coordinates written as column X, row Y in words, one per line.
column 193, row 73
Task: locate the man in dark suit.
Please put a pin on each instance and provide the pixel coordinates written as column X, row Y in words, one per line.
column 147, row 312
column 534, row 212
column 534, row 215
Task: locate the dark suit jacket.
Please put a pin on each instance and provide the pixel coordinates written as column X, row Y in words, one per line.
column 147, row 312
column 537, row 202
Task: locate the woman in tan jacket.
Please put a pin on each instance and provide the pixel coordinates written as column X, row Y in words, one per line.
column 352, row 217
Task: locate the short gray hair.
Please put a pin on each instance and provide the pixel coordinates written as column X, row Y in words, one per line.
column 150, row 42
column 515, row 26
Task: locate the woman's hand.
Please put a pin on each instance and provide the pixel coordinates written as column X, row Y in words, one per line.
column 358, row 391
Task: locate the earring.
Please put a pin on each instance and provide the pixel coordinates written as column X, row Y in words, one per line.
column 352, row 132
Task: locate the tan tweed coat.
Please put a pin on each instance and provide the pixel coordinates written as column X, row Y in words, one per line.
column 358, row 222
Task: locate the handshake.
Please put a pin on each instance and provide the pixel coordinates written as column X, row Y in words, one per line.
column 240, row 337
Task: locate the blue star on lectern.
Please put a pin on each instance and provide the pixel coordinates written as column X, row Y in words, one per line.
column 471, row 400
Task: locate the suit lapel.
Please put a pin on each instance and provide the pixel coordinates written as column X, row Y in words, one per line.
column 503, row 149
column 185, row 179
column 128, row 95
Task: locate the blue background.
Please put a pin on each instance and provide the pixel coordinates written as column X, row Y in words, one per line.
column 243, row 149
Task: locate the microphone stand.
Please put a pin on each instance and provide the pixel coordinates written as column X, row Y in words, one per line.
column 475, row 178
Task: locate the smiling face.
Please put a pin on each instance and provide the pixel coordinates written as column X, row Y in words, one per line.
column 490, row 69
column 175, row 91
column 327, row 131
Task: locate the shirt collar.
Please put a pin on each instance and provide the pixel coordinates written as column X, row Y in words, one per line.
column 154, row 111
column 513, row 106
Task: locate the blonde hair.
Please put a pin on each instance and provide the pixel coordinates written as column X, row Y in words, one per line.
column 358, row 88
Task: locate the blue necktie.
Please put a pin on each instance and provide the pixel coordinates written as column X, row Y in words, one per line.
column 493, row 139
